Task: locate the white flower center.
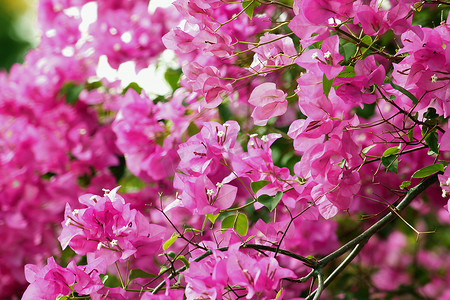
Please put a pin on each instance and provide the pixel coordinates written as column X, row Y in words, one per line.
column 434, row 78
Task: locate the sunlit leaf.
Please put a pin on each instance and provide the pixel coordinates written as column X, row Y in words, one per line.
column 405, row 184
column 428, row 170
column 257, row 185
column 405, row 92
column 391, row 151
column 390, row 163
column 249, row 7
column 184, row 260
column 270, row 201
column 170, row 241
column 327, row 85
column 241, row 224
column 138, row 273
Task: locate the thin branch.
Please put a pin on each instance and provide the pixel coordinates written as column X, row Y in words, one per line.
column 340, row 268
column 412, row 193
column 306, row 261
column 392, row 58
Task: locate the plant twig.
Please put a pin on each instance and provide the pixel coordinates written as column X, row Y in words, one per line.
column 409, row 197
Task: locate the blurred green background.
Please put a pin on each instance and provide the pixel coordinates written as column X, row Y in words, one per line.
column 17, row 18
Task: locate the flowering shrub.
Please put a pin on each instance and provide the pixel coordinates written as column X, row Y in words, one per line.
column 295, row 132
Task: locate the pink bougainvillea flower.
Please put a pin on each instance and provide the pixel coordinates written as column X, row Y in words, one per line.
column 201, row 196
column 444, row 180
column 274, row 51
column 207, row 278
column 269, row 101
column 206, row 81
column 108, row 230
column 323, row 61
column 257, row 276
column 372, row 21
column 445, row 141
column 307, row 133
column 50, row 282
column 204, row 151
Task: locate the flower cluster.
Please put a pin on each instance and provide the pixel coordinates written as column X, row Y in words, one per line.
column 108, row 230
column 259, row 277
column 290, row 127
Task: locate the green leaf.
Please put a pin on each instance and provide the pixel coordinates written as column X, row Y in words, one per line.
column 342, row 163
column 390, row 163
column 138, row 273
column 170, row 241
column 367, row 149
column 162, row 269
column 192, row 129
column 432, row 142
column 134, row 86
column 104, row 277
column 389, row 159
column 405, row 92
column 418, row 6
column 93, row 85
column 184, row 260
column 241, row 224
column 172, row 76
column 257, row 185
column 431, row 113
column 228, row 222
column 301, row 180
column 349, row 71
column 111, row 281
column 249, row 239
column 171, row 254
column 445, row 163
column 411, row 135
column 270, row 201
column 193, row 230
column 348, row 50
column 405, row 184
column 391, row 151
column 428, row 170
column 249, row 6
column 368, row 40
column 224, row 112
column 212, row 217
column 71, row 91
column 327, row 85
